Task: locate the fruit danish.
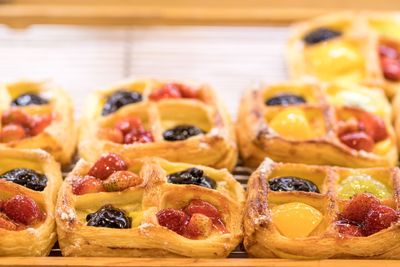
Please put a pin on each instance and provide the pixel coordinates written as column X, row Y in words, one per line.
column 358, row 47
column 37, row 115
column 148, row 208
column 29, row 182
column 168, row 119
column 340, row 124
column 313, row 212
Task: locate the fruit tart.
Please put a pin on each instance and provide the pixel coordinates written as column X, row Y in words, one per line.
column 37, row 115
column 358, row 47
column 29, row 182
column 340, row 123
column 301, row 211
column 176, row 121
column 149, row 207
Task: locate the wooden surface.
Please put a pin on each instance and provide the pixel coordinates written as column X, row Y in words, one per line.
column 20, row 13
column 125, row 262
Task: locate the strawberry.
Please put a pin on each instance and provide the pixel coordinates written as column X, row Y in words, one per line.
column 186, row 91
column 378, row 218
column 168, row 90
column 121, row 180
column 86, row 185
column 107, row 165
column 358, row 207
column 199, row 226
column 135, row 136
column 23, row 209
column 346, row 228
column 391, row 68
column 39, row 123
column 6, row 223
column 12, row 132
column 175, row 220
column 358, row 141
column 373, row 125
column 16, row 116
column 202, row 207
column 126, row 125
column 388, row 51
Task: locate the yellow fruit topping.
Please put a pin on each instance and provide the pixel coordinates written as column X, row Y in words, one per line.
column 332, row 60
column 292, row 123
column 296, row 219
column 387, row 28
column 136, row 217
column 355, row 184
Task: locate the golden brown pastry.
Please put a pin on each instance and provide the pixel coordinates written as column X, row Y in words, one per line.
column 357, row 47
column 341, row 124
column 148, row 207
column 37, row 115
column 29, row 182
column 301, row 211
column 169, row 119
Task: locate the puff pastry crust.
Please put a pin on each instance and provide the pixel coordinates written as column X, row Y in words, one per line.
column 216, row 148
column 353, row 56
column 38, row 240
column 146, row 238
column 263, row 239
column 326, row 106
column 60, row 136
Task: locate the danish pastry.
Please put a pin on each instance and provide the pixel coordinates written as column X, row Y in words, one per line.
column 313, row 212
column 341, row 123
column 168, row 119
column 358, row 47
column 148, row 207
column 37, row 115
column 29, row 182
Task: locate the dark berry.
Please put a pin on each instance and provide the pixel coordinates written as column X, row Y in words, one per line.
column 285, row 100
column 29, row 99
column 192, row 176
column 110, row 217
column 120, row 99
column 181, row 132
column 321, row 35
column 292, row 183
column 26, row 177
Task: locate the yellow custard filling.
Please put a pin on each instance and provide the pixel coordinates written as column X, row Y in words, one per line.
column 292, row 123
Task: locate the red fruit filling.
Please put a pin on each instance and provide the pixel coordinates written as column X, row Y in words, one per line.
column 193, row 221
column 390, row 61
column 364, row 215
column 17, row 125
column 86, row 185
column 173, row 90
column 18, row 212
column 128, row 131
column 362, row 132
column 107, row 165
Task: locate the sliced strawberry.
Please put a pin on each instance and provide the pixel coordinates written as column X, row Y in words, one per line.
column 86, row 185
column 39, row 123
column 16, row 116
column 358, row 207
column 175, row 220
column 199, row 226
column 388, row 51
column 121, row 180
column 202, row 207
column 12, row 132
column 168, row 90
column 378, row 218
column 135, row 136
column 107, row 165
column 23, row 209
column 391, row 68
column 373, row 125
column 186, row 91
column 358, row 141
column 126, row 125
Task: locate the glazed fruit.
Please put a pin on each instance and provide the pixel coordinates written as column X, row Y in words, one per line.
column 390, row 62
column 121, row 180
column 296, row 219
column 22, row 209
column 355, row 184
column 292, row 123
column 357, row 209
column 379, row 218
column 321, row 35
column 292, row 183
column 119, row 99
column 86, row 185
column 29, row 99
column 107, row 165
column 347, row 228
column 285, row 100
column 173, row 90
column 373, row 125
column 110, row 217
column 175, row 220
column 26, row 177
column 182, row 132
column 192, row 176
column 357, row 141
column 128, row 131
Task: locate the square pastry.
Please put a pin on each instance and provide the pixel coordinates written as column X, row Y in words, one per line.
column 340, row 123
column 149, row 207
column 357, row 47
column 37, row 115
column 29, row 183
column 301, row 211
column 168, row 119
